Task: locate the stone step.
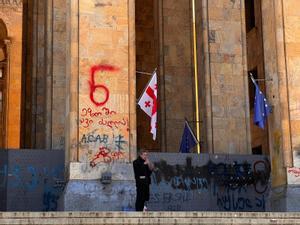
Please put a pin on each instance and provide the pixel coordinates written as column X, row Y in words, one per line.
column 99, row 218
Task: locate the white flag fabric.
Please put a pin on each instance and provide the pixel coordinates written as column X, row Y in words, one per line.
column 148, row 103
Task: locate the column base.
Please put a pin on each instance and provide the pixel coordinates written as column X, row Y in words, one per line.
column 106, row 187
column 285, row 198
column 92, row 195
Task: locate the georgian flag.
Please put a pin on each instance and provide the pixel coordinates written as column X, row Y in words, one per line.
column 148, row 103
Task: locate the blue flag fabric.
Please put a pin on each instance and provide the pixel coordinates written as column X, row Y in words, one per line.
column 261, row 108
column 188, row 139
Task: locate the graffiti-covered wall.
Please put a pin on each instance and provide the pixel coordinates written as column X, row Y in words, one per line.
column 181, row 182
column 188, row 182
column 104, row 85
column 31, row 180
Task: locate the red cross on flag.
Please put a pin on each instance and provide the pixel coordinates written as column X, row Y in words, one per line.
column 148, row 103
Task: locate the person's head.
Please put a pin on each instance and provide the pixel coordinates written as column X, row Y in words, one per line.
column 144, row 154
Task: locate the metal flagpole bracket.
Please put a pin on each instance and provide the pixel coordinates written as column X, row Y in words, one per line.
column 252, row 78
column 260, row 79
column 266, row 79
column 194, row 121
column 141, row 72
column 147, row 73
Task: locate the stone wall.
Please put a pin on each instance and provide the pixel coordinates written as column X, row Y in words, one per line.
column 44, row 74
column 276, row 90
column 178, row 90
column 103, row 81
column 105, row 131
column 291, row 34
column 58, row 74
column 226, row 50
column 292, row 44
column 82, row 65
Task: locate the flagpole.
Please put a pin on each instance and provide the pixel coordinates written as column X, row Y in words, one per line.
column 252, row 78
column 196, row 75
column 146, row 73
column 191, row 131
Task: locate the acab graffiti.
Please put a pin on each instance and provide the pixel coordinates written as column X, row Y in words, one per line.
column 118, row 141
column 112, row 149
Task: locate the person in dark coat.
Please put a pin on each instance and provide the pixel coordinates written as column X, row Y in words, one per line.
column 142, row 171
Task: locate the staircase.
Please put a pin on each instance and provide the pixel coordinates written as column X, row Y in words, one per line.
column 99, row 218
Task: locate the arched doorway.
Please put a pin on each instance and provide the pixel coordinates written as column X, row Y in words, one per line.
column 3, row 82
column 11, row 74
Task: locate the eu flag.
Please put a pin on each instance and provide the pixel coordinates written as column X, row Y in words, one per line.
column 188, row 139
column 261, row 108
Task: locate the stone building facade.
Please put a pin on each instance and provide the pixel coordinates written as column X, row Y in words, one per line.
column 69, row 79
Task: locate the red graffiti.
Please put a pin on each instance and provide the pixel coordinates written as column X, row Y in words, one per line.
column 107, row 156
column 89, row 117
column 85, row 122
column 94, row 87
column 88, row 112
column 294, row 171
column 113, row 123
column 107, row 111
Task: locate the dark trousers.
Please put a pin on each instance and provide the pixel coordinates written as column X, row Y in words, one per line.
column 142, row 195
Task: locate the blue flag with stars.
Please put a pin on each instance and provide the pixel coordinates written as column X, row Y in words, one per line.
column 188, row 139
column 261, row 108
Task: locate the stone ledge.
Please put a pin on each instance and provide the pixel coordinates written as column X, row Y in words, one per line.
column 147, row 218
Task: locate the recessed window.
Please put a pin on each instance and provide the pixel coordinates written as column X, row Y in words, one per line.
column 250, row 15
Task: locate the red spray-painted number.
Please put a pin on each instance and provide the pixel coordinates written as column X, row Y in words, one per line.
column 97, row 87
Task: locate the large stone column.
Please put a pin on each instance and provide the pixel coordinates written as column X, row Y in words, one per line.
column 101, row 136
column 281, row 42
column 44, row 74
column 226, row 82
column 279, row 130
